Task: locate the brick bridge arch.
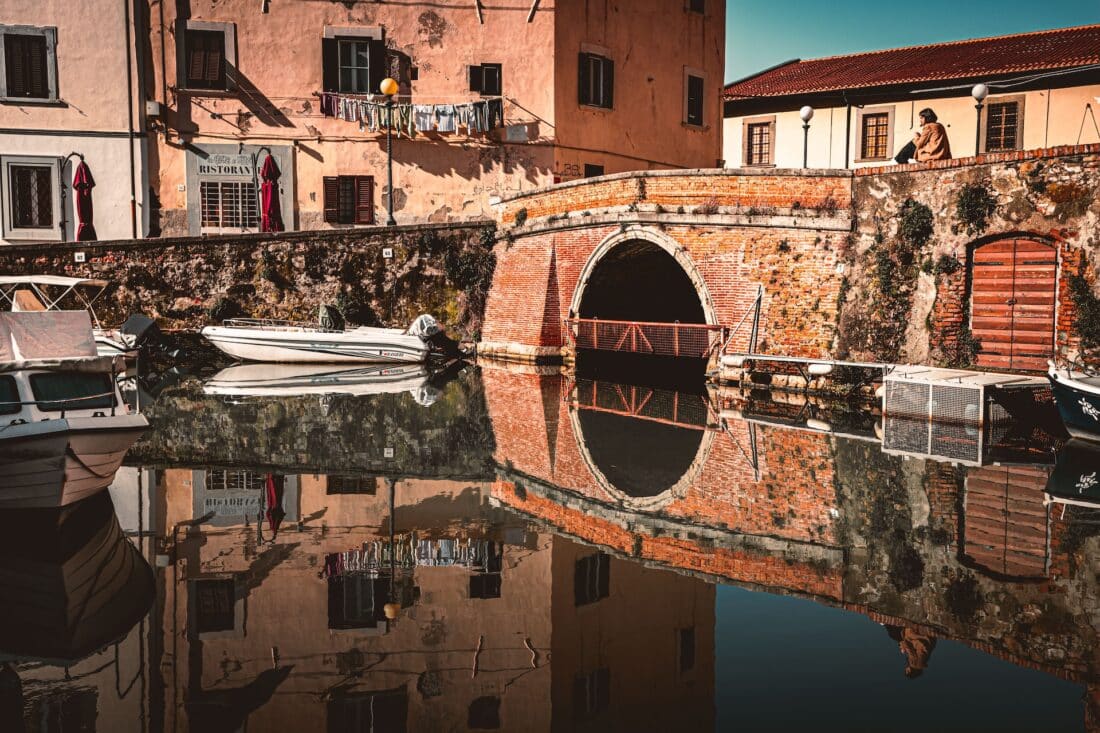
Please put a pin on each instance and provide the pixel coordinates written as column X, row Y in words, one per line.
column 729, row 231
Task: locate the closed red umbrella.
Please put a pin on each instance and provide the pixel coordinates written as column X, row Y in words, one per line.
column 275, row 511
column 271, row 214
column 83, row 183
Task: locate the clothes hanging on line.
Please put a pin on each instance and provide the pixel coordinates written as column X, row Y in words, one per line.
column 408, row 119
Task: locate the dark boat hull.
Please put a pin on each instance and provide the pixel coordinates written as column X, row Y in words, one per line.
column 1079, row 409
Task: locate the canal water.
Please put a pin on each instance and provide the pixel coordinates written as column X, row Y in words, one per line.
column 508, row 548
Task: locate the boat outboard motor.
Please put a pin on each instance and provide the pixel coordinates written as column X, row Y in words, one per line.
column 331, row 318
column 431, row 333
column 139, row 330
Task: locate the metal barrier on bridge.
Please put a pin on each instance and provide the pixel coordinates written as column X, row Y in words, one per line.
column 696, row 340
column 669, row 407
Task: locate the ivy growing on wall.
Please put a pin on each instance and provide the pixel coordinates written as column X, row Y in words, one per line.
column 974, row 207
column 1087, row 324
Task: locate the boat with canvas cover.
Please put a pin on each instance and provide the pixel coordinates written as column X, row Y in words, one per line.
column 1077, row 395
column 64, row 428
column 327, row 342
column 53, row 292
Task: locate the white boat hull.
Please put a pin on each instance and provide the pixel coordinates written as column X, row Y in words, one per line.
column 53, row 463
column 283, row 380
column 361, row 345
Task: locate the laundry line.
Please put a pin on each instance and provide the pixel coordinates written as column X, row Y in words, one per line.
column 410, row 119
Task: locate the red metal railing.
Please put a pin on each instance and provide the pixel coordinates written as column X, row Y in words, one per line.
column 665, row 406
column 640, row 337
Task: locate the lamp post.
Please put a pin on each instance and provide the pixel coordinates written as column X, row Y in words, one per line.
column 389, row 87
column 979, row 92
column 807, row 114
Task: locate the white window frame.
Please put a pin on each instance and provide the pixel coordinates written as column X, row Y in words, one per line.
column 10, row 232
column 223, row 229
column 51, row 63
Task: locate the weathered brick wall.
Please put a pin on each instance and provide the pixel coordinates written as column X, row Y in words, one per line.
column 185, row 282
column 737, row 230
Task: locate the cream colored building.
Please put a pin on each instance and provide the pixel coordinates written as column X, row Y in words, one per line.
column 1044, row 91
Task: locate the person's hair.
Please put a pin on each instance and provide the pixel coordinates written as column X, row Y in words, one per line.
column 928, row 115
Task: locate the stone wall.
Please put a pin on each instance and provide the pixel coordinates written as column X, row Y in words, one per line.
column 191, row 282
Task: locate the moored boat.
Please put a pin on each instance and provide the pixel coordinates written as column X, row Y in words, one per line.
column 1077, row 395
column 270, row 340
column 1075, row 479
column 285, row 380
column 64, row 428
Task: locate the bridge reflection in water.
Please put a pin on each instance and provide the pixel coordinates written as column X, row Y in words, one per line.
column 581, row 573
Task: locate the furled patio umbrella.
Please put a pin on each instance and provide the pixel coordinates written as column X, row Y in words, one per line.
column 271, row 215
column 83, row 183
column 275, row 512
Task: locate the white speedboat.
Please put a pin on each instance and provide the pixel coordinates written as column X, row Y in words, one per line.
column 64, row 428
column 270, row 340
column 287, row 380
column 54, row 293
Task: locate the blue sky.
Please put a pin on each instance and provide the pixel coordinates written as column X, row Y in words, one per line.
column 762, row 33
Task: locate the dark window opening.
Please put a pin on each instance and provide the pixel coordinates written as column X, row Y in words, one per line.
column 1001, row 126
column 32, row 196
column 355, row 712
column 695, row 100
column 205, row 59
column 57, row 391
column 487, row 80
column 351, row 485
column 591, row 579
column 697, row 6
column 485, row 585
column 355, row 601
column 214, row 605
column 597, row 81
column 687, row 649
column 875, row 137
column 484, row 714
column 349, row 199
column 26, row 59
column 9, row 396
column 591, row 693
column 759, row 147
column 591, row 170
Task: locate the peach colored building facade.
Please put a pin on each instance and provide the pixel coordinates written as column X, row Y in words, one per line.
column 235, row 84
column 70, row 93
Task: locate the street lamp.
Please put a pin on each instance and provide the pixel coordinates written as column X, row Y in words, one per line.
column 389, row 87
column 979, row 92
column 807, row 114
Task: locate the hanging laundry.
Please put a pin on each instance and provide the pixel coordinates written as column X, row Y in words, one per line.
column 495, row 110
column 425, row 121
column 445, row 117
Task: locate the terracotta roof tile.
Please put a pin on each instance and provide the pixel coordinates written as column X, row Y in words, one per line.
column 1062, row 48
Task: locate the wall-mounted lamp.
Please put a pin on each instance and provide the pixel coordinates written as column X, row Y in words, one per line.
column 979, row 93
column 807, row 114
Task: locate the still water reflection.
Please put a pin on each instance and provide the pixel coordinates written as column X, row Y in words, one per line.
column 520, row 550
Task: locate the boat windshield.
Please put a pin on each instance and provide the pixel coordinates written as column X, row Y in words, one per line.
column 45, row 292
column 57, row 391
column 9, row 396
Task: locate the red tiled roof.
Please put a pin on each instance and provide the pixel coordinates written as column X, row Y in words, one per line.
column 1062, row 48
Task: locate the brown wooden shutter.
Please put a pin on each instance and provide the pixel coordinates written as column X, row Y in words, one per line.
column 476, row 78
column 364, row 200
column 26, row 57
column 582, row 79
column 331, row 196
column 379, row 67
column 609, row 83
column 330, row 65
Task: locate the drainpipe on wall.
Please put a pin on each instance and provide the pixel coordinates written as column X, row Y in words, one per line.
column 847, row 130
column 130, row 120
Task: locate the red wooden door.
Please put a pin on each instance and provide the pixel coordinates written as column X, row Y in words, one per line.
column 1012, row 303
column 1005, row 521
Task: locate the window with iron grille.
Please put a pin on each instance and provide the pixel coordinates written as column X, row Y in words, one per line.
column 31, row 196
column 234, row 481
column 1002, row 124
column 596, row 84
column 26, row 64
column 351, row 485
column 215, row 604
column 349, row 199
column 229, row 205
column 875, row 136
column 205, row 59
column 591, row 579
column 759, row 148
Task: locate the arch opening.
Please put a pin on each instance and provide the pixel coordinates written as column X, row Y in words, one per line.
column 638, row 280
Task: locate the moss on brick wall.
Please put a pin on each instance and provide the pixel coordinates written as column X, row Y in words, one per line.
column 190, row 282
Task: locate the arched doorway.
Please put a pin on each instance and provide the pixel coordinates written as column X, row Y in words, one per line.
column 1014, row 285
